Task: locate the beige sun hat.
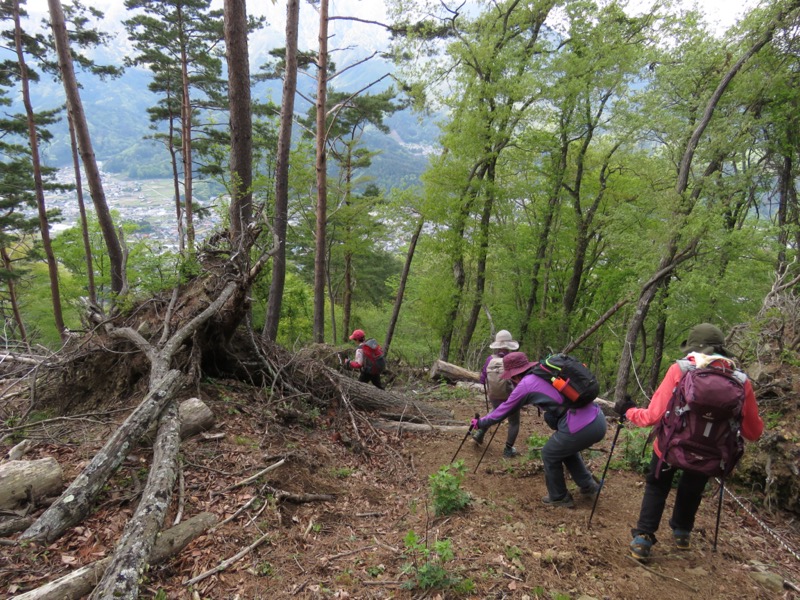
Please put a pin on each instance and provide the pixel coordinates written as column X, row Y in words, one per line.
column 503, row 339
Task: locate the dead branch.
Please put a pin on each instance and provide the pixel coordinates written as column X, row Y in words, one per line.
column 227, row 563
column 252, row 477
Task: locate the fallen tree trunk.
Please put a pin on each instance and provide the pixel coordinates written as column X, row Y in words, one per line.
column 24, row 480
column 452, row 373
column 121, row 579
column 82, row 581
column 417, row 427
column 76, row 501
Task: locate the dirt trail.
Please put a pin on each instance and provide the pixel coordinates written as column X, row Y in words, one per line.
column 506, row 541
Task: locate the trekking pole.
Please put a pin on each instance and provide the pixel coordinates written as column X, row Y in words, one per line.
column 477, row 416
column 603, row 479
column 486, row 397
column 487, row 447
column 719, row 511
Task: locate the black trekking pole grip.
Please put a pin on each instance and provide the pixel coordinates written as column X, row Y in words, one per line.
column 605, row 470
column 477, row 416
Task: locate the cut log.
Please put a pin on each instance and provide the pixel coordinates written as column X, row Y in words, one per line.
column 195, row 416
column 81, row 582
column 452, row 373
column 21, row 480
column 417, row 427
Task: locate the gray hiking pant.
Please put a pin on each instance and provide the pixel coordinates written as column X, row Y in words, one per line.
column 563, row 449
column 513, row 423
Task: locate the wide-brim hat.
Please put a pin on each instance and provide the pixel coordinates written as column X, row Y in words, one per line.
column 515, row 363
column 504, row 339
column 705, row 339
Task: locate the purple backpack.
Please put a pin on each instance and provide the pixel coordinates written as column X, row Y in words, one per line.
column 700, row 430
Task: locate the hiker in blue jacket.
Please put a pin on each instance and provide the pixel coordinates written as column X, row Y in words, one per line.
column 574, row 429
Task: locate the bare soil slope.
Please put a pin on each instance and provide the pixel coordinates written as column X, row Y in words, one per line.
column 506, row 541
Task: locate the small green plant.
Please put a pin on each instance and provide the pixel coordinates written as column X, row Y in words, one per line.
column 633, row 452
column 160, row 595
column 449, row 392
column 445, row 485
column 265, row 569
column 513, row 552
column 427, row 566
column 535, row 443
column 376, row 571
column 243, row 440
column 773, row 419
column 342, row 473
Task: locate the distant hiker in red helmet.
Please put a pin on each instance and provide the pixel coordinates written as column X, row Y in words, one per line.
column 369, row 359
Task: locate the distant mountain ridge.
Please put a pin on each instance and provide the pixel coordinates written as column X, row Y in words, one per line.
column 117, row 114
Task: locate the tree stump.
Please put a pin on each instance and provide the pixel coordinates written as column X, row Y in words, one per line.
column 195, row 416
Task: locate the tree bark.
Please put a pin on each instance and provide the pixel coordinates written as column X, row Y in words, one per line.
column 80, row 582
column 121, row 578
column 22, row 480
column 280, row 224
column 241, row 123
column 322, row 176
column 76, row 501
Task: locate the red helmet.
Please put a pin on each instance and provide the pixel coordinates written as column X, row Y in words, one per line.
column 358, row 335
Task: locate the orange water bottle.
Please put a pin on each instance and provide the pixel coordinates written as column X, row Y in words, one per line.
column 563, row 386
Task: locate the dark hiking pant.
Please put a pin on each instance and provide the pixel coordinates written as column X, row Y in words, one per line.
column 563, row 450
column 687, row 499
column 375, row 380
column 513, row 423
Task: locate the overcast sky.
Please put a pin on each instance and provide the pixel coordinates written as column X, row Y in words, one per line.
column 720, row 13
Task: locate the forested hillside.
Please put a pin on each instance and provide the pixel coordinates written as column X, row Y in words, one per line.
column 594, row 177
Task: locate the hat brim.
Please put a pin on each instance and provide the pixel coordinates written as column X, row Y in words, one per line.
column 514, row 372
column 687, row 349
column 509, row 345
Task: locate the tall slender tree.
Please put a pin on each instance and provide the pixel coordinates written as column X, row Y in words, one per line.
column 281, row 215
column 78, row 121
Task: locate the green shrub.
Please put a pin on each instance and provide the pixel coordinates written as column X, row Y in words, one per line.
column 427, row 566
column 446, row 491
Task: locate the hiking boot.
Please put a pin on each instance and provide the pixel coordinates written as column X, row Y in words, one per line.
column 591, row 491
column 477, row 436
column 682, row 539
column 510, row 452
column 641, row 545
column 565, row 501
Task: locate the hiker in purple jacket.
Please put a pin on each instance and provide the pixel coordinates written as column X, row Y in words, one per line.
column 574, row 429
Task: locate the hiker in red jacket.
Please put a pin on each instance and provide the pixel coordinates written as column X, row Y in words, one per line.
column 704, row 347
column 369, row 359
